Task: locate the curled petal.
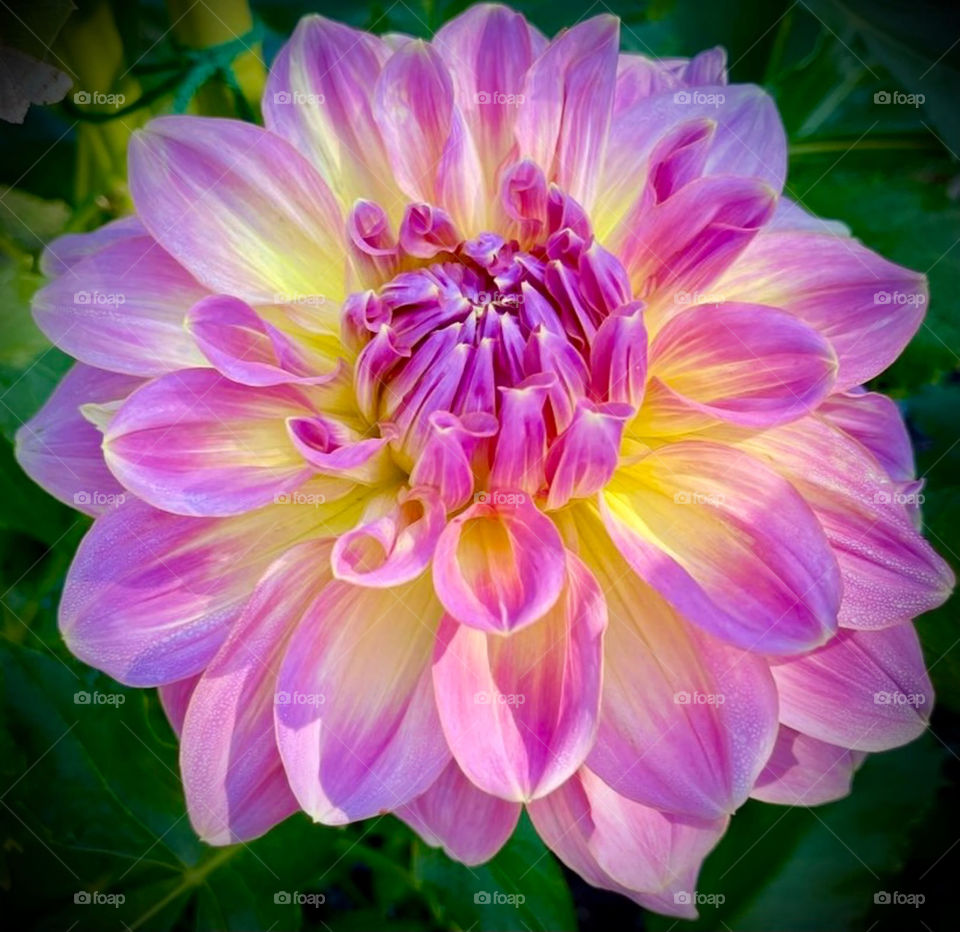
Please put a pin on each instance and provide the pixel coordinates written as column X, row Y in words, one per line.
column 335, row 450
column 522, row 444
column 393, row 549
column 499, row 565
column 618, row 357
column 427, row 231
column 585, row 456
column 519, row 712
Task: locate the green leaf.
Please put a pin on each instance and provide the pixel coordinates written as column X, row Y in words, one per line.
column 522, row 887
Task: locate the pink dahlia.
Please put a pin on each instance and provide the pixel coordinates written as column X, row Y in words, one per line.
column 486, row 431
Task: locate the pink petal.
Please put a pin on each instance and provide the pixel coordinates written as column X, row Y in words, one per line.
column 364, row 656
column 676, row 250
column 876, row 422
column 240, row 344
column 233, row 777
column 488, row 50
column 803, row 771
column 122, row 309
column 568, row 102
column 890, row 573
column 866, row 690
column 175, row 699
column 238, row 207
column 428, row 144
column 585, row 456
column 522, row 446
column 618, row 356
column 520, row 712
column 748, row 141
column 743, row 363
column 195, row 443
column 61, row 450
column 67, row 250
column 470, row 825
column 500, row 564
column 319, row 97
column 620, row 845
column 686, row 722
column 729, row 544
column 867, row 307
column 394, row 549
column 150, row 595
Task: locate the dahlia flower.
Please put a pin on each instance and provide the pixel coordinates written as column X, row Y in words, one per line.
column 488, row 430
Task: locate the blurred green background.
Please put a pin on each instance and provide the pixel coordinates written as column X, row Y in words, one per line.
column 90, row 794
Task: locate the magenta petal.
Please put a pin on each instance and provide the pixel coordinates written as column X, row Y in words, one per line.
column 238, row 207
column 61, row 450
column 744, row 363
column 803, row 771
column 875, row 421
column 867, row 307
column 618, row 357
column 624, row 846
column 244, row 347
column 499, row 565
column 175, row 699
column 122, row 309
column 519, row 712
column 686, row 722
column 470, row 825
column 346, row 746
column 585, row 456
column 150, row 595
column 319, row 97
column 568, row 102
column 233, row 777
column 866, row 690
column 729, row 543
column 195, row 443
column 522, row 444
column 393, row 549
